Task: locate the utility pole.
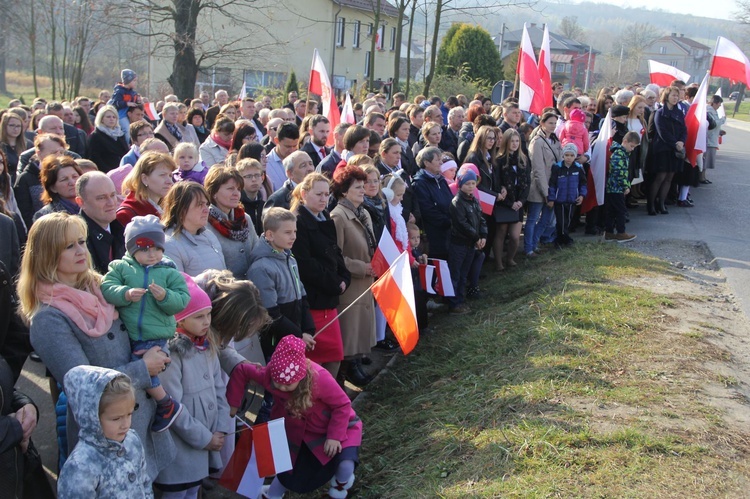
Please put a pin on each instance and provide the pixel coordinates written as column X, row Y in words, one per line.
column 588, row 72
column 619, row 66
column 502, row 41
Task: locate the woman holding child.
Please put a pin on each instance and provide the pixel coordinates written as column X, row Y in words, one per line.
column 71, row 324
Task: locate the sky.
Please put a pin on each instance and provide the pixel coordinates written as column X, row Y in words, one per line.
column 723, row 9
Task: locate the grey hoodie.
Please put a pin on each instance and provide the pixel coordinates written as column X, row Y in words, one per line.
column 98, row 466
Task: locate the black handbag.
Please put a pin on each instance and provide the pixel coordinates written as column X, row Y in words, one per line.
column 505, row 215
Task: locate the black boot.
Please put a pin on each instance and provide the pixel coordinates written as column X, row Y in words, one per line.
column 356, row 375
column 650, row 207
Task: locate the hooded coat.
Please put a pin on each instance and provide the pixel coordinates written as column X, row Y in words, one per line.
column 98, row 466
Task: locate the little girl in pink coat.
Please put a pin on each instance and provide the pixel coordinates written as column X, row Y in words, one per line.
column 574, row 131
column 323, row 431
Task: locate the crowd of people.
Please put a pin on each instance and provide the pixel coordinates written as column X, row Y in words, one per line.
column 164, row 265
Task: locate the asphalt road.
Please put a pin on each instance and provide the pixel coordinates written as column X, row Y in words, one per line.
column 720, row 218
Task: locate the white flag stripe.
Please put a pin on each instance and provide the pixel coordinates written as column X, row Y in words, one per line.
column 251, row 483
column 282, row 460
column 445, row 278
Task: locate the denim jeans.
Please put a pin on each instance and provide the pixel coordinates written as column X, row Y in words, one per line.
column 538, row 228
column 460, row 258
column 143, row 346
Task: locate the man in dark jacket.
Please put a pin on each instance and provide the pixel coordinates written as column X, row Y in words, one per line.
column 75, row 138
column 316, row 148
column 434, row 198
column 297, row 166
column 96, row 195
column 449, row 139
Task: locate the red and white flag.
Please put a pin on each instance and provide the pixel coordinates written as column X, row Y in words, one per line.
column 697, row 124
column 394, row 292
column 150, row 110
column 730, row 62
column 545, row 69
column 385, row 254
column 721, row 111
column 379, row 38
column 530, row 91
column 260, row 452
column 321, row 85
column 443, row 284
column 664, row 74
column 599, row 162
column 243, row 92
column 347, row 112
column 486, row 201
column 426, row 278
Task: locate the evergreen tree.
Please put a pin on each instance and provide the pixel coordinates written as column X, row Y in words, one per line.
column 469, row 51
column 291, row 83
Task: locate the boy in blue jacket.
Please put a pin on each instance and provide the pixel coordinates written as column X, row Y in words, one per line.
column 567, row 187
column 617, row 187
column 124, row 97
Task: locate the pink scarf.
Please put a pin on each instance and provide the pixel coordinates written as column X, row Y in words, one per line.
column 87, row 309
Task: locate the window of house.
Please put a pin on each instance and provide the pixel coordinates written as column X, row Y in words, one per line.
column 662, row 50
column 340, row 28
column 367, row 64
column 559, row 67
column 357, row 29
column 393, row 39
column 369, row 29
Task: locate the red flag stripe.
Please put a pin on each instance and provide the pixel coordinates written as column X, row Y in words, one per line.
column 263, row 450
column 729, row 68
column 235, row 469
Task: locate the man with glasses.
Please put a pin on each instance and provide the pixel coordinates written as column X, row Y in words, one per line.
column 252, row 174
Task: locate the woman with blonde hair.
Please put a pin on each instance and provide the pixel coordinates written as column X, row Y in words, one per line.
column 431, row 134
column 169, row 130
column 107, row 144
column 72, row 325
column 322, row 268
column 146, row 185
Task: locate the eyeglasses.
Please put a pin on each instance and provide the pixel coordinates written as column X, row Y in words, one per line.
column 253, row 176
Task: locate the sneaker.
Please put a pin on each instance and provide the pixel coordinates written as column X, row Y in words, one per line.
column 684, row 204
column 624, row 237
column 473, row 292
column 460, row 310
column 166, row 415
column 610, row 236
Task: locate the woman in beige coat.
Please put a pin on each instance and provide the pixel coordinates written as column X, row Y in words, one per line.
column 356, row 239
column 544, row 151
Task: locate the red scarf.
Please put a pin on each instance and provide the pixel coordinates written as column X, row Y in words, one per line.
column 199, row 342
column 236, row 230
column 226, row 144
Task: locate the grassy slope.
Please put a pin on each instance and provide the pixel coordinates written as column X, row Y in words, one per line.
column 561, row 384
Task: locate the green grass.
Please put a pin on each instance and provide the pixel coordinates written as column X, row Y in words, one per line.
column 743, row 113
column 564, row 382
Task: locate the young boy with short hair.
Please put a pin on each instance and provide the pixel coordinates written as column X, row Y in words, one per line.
column 617, row 187
column 148, row 291
column 251, row 196
column 567, row 188
column 468, row 233
column 273, row 269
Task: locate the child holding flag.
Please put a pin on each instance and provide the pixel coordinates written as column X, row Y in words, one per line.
column 323, row 431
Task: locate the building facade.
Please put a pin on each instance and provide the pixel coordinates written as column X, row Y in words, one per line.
column 282, row 38
column 679, row 51
column 572, row 61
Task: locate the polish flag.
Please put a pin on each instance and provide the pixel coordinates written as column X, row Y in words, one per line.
column 599, row 161
column 721, row 111
column 385, row 254
column 150, row 110
column 394, row 292
column 545, row 69
column 697, row 124
column 443, row 284
column 347, row 112
column 379, row 38
column 321, row 85
column 243, row 92
column 664, row 74
column 730, row 62
column 486, row 201
column 426, row 277
column 261, row 451
column 530, row 91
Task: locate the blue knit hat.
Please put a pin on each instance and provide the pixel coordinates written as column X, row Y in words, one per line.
column 465, row 177
column 128, row 75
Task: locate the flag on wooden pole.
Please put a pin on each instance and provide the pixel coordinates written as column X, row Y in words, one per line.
column 150, row 110
column 530, row 92
column 545, row 69
column 730, row 62
column 321, row 85
column 599, row 161
column 385, row 254
column 394, row 292
column 347, row 112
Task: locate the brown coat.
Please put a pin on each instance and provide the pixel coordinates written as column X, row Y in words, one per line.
column 542, row 155
column 162, row 133
column 358, row 323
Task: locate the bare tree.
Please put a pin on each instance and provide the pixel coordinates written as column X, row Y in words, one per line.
column 570, row 28
column 635, row 39
column 401, row 5
column 197, row 46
